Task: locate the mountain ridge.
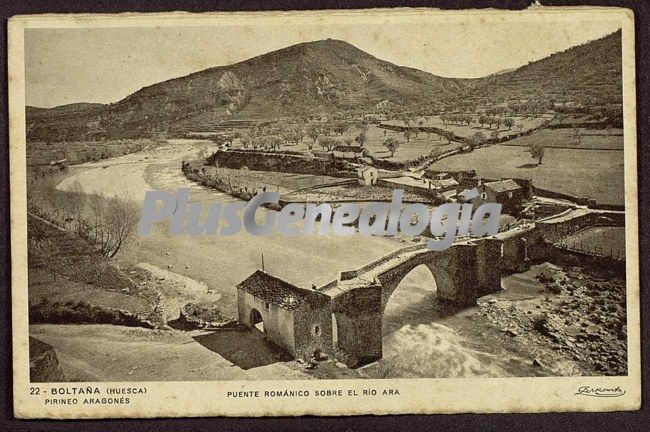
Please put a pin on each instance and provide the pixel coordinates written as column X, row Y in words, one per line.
column 326, row 76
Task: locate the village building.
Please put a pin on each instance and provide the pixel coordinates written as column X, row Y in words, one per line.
column 449, row 196
column 367, row 175
column 510, row 193
column 294, row 318
column 423, row 186
column 349, row 152
column 465, row 178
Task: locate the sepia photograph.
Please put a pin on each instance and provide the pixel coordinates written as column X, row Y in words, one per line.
column 386, row 197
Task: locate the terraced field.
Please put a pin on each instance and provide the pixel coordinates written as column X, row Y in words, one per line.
column 596, row 174
column 589, row 139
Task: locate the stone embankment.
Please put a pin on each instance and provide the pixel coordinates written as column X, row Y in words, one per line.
column 580, row 315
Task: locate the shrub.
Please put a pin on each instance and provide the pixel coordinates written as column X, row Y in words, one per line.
column 554, row 288
column 80, row 313
column 540, row 324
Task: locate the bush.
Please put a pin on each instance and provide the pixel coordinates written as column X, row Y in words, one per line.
column 554, row 288
column 540, row 324
column 545, row 276
column 71, row 312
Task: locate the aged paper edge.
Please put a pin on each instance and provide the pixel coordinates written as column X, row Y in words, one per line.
column 418, row 396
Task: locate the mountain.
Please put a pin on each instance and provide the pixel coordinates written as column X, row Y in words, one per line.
column 313, row 77
column 63, row 109
column 588, row 74
column 322, row 77
column 503, row 71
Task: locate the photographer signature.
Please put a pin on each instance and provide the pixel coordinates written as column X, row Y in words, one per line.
column 600, row 391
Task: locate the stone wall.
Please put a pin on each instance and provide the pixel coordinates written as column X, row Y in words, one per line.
column 313, row 328
column 278, row 322
column 282, row 162
column 358, row 315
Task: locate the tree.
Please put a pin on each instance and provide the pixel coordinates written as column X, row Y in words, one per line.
column 340, row 127
column 476, row 140
column 509, row 123
column 218, row 139
column 482, row 120
column 111, row 222
column 246, row 140
column 361, row 139
column 298, row 135
column 408, row 133
column 536, row 151
column 77, row 204
column 313, row 131
column 294, row 137
column 271, row 142
column 328, row 143
column 577, row 134
column 416, row 131
column 392, row 145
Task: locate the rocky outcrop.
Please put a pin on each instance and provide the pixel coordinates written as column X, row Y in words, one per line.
column 43, row 362
column 229, row 81
column 193, row 316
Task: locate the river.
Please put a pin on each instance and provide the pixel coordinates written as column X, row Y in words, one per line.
column 421, row 336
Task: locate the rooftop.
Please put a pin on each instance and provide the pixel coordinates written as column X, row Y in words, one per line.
column 274, row 290
column 422, row 182
column 503, row 185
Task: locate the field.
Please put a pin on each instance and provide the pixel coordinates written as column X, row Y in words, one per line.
column 592, row 139
column 596, row 174
column 420, row 145
column 417, row 147
column 464, row 130
column 607, row 241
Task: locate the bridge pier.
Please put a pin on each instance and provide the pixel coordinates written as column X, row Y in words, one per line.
column 358, row 317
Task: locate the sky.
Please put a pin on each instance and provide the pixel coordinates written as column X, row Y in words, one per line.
column 104, row 65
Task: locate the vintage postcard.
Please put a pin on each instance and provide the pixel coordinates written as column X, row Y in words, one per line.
column 324, row 213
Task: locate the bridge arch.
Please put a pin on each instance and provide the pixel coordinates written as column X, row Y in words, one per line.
column 413, row 301
column 437, row 263
column 256, row 320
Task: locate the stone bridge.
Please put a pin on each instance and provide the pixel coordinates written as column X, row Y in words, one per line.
column 345, row 317
column 468, row 270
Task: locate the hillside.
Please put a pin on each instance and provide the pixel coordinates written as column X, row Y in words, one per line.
column 315, row 77
column 328, row 76
column 588, row 74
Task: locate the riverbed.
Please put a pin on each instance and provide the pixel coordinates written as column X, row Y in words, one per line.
column 422, row 336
